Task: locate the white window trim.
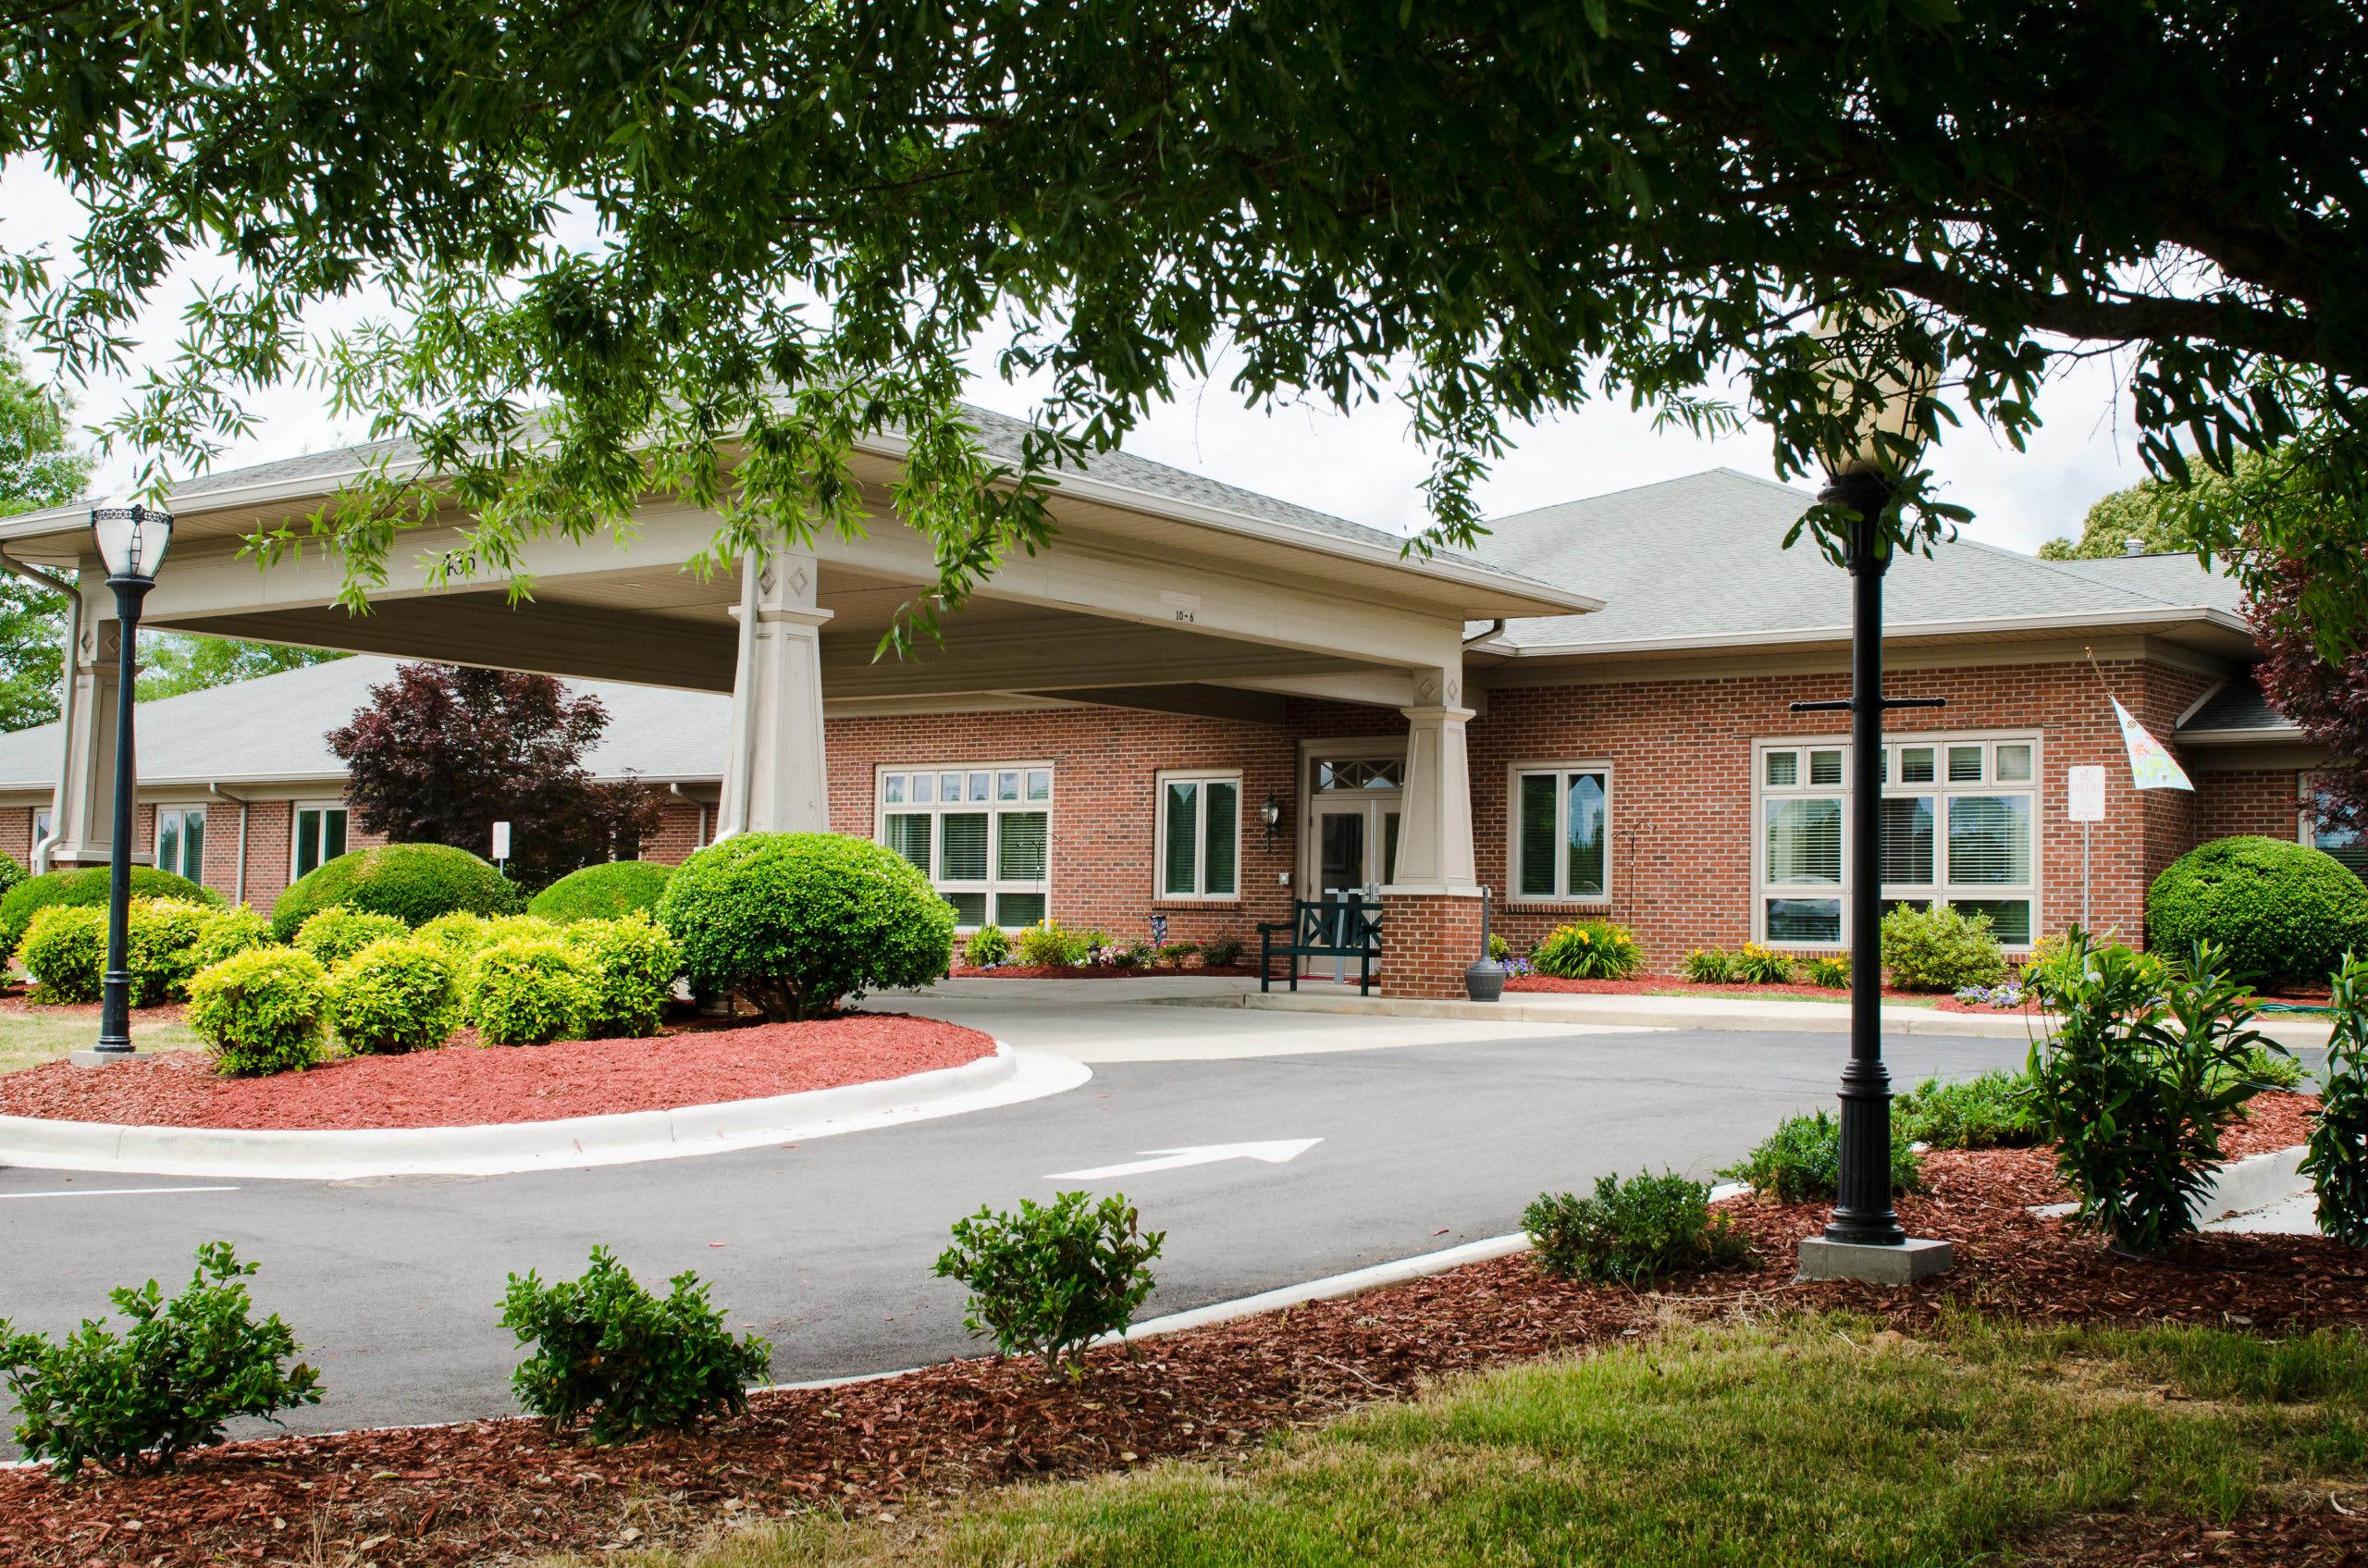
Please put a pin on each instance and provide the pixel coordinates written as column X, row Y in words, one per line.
column 1939, row 786
column 296, row 810
column 1516, row 899
column 992, row 886
column 157, row 834
column 1201, row 838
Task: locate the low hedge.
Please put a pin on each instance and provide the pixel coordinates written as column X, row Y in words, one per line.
column 796, row 920
column 414, row 882
column 167, row 940
column 262, row 1011
column 2285, row 913
column 605, row 892
column 85, row 887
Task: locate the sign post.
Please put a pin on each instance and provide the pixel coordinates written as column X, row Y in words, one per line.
column 2084, row 802
column 501, row 847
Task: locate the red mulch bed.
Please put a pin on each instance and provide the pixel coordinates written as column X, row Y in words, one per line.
column 463, row 1085
column 494, row 1489
column 1079, row 971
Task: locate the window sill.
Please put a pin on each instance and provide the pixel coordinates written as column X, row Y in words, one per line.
column 1556, row 906
column 1189, row 901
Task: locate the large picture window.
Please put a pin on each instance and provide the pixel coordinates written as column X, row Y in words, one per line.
column 1562, row 831
column 1199, row 835
column 1955, row 827
column 2347, row 845
column 981, row 834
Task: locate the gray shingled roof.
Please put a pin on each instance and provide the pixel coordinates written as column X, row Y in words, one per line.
column 1702, row 556
column 272, row 728
column 2238, row 706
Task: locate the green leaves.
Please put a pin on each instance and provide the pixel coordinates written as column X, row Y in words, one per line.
column 2134, row 1088
column 1632, row 1233
column 2336, row 1162
column 182, row 1371
column 1049, row 1279
column 637, row 1362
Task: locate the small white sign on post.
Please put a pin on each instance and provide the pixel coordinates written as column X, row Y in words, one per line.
column 501, row 839
column 2085, row 795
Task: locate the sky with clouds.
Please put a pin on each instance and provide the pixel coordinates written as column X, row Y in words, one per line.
column 1360, row 465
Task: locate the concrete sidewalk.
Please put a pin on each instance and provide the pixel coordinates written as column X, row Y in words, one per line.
column 1773, row 1015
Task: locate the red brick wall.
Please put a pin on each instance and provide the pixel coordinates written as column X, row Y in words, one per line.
column 1681, row 795
column 1427, row 941
column 682, row 828
column 17, row 833
column 1105, row 763
column 270, row 846
column 2258, row 801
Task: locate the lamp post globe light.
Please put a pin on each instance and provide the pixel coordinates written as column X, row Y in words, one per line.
column 132, row 541
column 1863, row 1239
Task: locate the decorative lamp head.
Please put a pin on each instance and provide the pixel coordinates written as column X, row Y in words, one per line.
column 1877, row 388
column 131, row 540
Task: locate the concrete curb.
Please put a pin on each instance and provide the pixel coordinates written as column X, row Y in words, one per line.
column 1686, row 1013
column 2254, row 1182
column 1006, row 1077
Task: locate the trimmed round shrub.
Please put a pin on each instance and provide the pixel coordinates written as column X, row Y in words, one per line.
column 398, row 994
column 85, row 887
column 337, row 933
column 605, row 892
column 65, row 950
column 796, row 920
column 526, row 993
column 1940, row 948
column 630, row 967
column 261, row 1010
column 233, row 929
column 414, row 882
column 2285, row 913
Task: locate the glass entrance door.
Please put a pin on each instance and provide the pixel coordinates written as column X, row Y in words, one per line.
column 1354, row 850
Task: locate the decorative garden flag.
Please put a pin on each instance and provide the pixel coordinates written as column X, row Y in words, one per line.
column 2150, row 766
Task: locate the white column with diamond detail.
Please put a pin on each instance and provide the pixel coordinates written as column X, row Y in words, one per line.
column 1435, row 853
column 774, row 779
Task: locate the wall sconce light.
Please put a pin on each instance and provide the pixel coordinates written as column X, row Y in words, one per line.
column 1271, row 813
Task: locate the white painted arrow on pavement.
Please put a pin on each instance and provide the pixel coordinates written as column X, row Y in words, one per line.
column 1276, row 1152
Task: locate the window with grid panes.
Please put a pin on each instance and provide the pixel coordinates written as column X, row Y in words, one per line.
column 981, row 834
column 1561, row 830
column 2347, row 845
column 180, row 840
column 1199, row 835
column 1955, row 827
column 320, row 836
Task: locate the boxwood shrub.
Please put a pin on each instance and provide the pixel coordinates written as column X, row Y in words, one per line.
column 630, row 967
column 794, row 921
column 85, row 887
column 399, row 994
column 602, row 892
column 2285, row 913
column 1940, row 948
column 337, row 933
column 527, row 993
column 261, row 1010
column 414, row 882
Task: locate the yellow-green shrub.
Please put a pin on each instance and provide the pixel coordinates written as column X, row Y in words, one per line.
column 460, row 934
column 65, row 950
column 261, row 1010
column 233, row 929
column 164, row 937
column 527, row 993
column 630, row 967
column 337, row 933
column 399, row 994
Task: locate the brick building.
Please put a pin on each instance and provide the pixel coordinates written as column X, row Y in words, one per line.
column 1205, row 703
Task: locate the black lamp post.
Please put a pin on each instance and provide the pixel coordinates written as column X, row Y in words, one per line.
column 1861, row 479
column 132, row 541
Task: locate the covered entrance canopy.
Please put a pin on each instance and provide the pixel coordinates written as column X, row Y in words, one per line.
column 1163, row 591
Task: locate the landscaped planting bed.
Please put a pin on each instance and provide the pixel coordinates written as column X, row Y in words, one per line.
column 460, row 1084
column 1678, row 985
column 1091, row 971
column 499, row 1490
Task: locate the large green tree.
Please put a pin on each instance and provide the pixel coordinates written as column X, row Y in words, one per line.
column 805, row 220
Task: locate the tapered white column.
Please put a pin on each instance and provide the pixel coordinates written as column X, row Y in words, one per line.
column 775, row 780
column 1434, row 854
column 85, row 801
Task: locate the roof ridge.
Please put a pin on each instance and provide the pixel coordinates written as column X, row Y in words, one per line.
column 1806, row 500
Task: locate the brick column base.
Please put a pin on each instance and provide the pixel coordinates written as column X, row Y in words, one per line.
column 1427, row 941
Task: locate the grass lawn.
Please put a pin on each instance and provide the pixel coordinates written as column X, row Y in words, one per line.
column 29, row 1037
column 1808, row 1443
